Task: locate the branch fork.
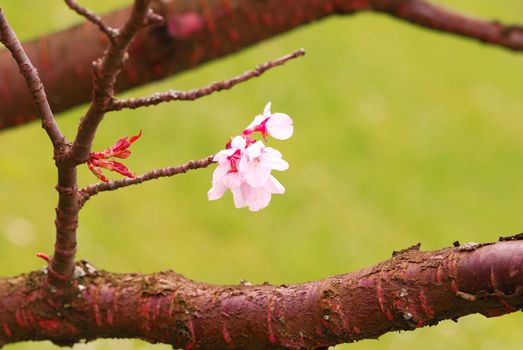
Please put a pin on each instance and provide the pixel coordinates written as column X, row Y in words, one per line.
column 68, row 155
column 411, row 290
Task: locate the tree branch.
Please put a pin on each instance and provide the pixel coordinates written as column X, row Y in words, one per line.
column 194, row 34
column 68, row 157
column 176, row 95
column 412, row 290
column 93, row 18
column 437, row 17
column 62, row 264
column 32, row 80
column 106, row 70
column 91, row 190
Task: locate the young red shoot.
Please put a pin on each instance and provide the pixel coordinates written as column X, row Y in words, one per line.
column 43, row 256
column 101, row 160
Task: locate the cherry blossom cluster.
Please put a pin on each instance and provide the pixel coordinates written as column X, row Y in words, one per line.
column 102, row 160
column 245, row 165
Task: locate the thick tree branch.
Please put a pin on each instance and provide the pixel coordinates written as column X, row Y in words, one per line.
column 61, row 265
column 413, row 289
column 177, row 95
column 68, row 157
column 437, row 17
column 196, row 32
column 91, row 190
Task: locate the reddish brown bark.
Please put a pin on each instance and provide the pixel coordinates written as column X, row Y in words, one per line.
column 66, row 221
column 411, row 290
column 67, row 303
column 68, row 155
column 199, row 31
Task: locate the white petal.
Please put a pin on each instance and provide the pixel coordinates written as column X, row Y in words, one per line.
column 280, row 126
column 280, row 165
column 272, row 153
column 272, row 158
column 253, row 172
column 257, row 121
column 274, row 186
column 216, row 192
column 239, row 199
column 267, row 110
column 254, row 150
column 256, row 176
column 238, row 142
column 221, row 156
column 220, row 171
column 232, row 180
column 258, row 199
column 244, row 164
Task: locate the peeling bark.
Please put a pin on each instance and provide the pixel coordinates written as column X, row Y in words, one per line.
column 413, row 289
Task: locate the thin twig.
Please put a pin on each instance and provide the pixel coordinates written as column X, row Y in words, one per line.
column 91, row 190
column 106, row 71
column 154, row 19
column 32, row 79
column 93, row 18
column 173, row 95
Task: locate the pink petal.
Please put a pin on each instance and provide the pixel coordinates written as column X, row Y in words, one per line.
column 267, row 109
column 239, row 195
column 256, row 176
column 221, row 156
column 220, row 171
column 258, row 199
column 238, row 142
column 254, row 150
column 216, row 192
column 272, row 157
column 280, row 126
column 274, row 186
column 257, row 121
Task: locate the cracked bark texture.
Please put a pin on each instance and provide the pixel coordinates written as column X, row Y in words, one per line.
column 413, row 289
column 196, row 32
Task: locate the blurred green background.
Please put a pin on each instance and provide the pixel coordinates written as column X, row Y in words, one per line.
column 402, row 135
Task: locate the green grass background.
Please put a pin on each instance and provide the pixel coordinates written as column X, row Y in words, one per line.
column 402, row 135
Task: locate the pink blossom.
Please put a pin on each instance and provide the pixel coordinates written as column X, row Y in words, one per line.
column 257, row 198
column 257, row 163
column 226, row 175
column 278, row 125
column 245, row 166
